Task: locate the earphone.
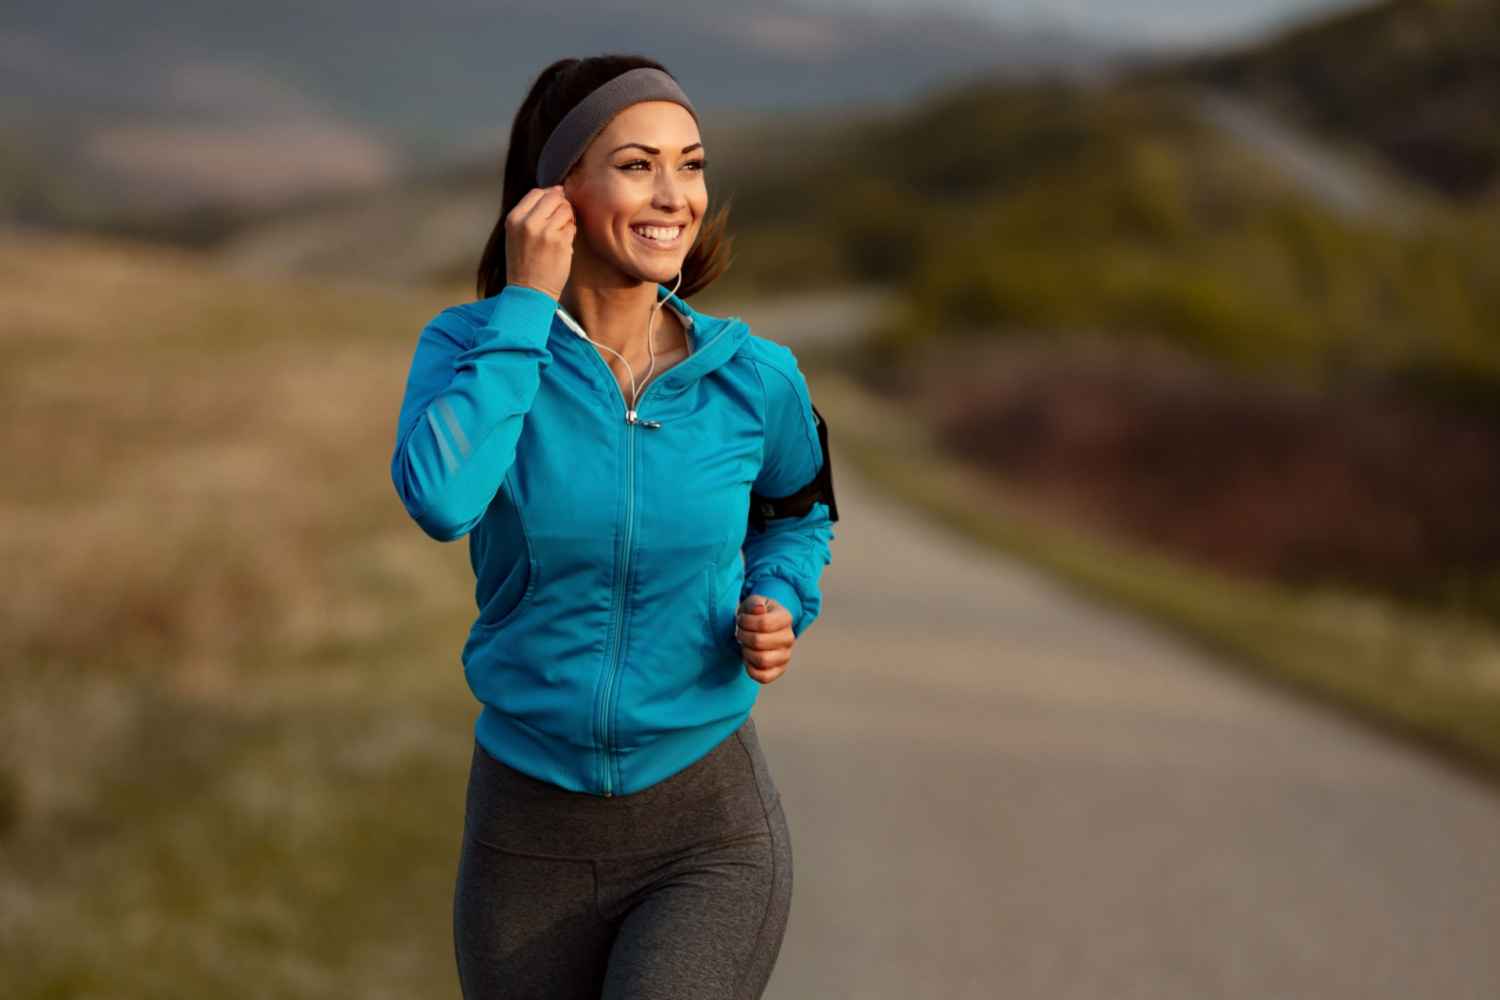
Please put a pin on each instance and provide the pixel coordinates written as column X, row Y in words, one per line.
column 635, row 392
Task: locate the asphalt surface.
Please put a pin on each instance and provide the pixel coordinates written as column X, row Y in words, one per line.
column 996, row 789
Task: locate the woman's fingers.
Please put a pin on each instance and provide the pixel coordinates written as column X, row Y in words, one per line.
column 767, row 666
column 527, row 202
column 768, row 639
column 542, row 208
column 766, row 654
column 766, row 621
column 774, row 619
column 539, row 236
column 780, row 656
column 557, row 210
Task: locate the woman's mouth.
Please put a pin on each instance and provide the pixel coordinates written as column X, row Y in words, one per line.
column 658, row 237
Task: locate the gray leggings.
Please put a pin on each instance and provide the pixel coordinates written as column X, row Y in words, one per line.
column 680, row 890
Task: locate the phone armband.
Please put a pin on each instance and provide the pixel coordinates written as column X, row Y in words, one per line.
column 820, row 489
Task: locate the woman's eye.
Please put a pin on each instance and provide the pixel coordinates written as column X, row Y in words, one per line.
column 700, row 164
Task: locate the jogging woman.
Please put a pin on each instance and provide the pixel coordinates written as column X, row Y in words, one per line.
column 600, row 442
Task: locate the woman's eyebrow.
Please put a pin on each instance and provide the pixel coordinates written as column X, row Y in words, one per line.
column 652, row 149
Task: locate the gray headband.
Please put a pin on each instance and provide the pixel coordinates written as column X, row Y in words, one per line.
column 580, row 125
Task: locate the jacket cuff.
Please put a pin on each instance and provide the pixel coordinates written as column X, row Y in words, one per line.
column 523, row 314
column 781, row 592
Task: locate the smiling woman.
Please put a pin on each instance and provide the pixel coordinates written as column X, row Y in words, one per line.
column 636, row 219
column 623, row 834
column 567, row 81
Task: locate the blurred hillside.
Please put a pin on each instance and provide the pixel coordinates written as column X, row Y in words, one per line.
column 1416, row 80
column 178, row 120
column 1122, row 210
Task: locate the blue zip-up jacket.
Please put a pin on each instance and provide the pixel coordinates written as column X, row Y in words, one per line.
column 610, row 556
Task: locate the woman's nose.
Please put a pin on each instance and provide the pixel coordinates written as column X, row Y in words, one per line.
column 669, row 191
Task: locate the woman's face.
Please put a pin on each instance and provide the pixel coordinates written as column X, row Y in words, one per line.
column 615, row 190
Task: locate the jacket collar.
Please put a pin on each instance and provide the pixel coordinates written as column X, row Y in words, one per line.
column 714, row 339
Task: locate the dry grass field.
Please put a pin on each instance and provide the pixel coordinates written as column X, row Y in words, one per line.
column 235, row 724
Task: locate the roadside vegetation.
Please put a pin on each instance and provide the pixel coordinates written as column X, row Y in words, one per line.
column 236, row 727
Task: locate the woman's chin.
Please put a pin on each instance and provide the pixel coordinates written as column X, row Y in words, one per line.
column 661, row 272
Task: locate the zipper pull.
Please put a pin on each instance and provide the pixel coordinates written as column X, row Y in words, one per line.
column 632, row 418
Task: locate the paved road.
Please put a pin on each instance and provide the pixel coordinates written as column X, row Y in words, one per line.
column 997, row 790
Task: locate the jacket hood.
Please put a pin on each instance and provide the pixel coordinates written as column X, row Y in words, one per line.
column 715, row 340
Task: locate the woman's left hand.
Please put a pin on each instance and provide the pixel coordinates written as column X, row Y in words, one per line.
column 763, row 629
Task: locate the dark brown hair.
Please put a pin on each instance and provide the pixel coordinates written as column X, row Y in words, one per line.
column 556, row 90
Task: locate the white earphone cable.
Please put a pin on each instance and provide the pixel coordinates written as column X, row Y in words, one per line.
column 635, row 391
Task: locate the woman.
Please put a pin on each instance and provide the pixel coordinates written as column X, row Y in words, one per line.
column 623, row 836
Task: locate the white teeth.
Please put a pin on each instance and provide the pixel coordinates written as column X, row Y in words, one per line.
column 666, row 235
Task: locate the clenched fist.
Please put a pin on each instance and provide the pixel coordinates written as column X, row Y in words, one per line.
column 763, row 629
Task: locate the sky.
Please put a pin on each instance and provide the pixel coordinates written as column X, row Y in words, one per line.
column 1149, row 22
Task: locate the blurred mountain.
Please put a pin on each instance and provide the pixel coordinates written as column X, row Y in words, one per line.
column 1416, row 80
column 203, row 109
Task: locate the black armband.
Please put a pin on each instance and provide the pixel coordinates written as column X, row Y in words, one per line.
column 820, row 489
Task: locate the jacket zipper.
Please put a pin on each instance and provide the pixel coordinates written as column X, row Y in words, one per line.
column 617, row 636
column 601, row 713
column 632, row 418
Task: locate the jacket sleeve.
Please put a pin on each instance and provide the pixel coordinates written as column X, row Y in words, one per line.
column 786, row 559
column 467, row 395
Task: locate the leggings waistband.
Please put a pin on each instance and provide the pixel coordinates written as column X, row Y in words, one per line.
column 725, row 793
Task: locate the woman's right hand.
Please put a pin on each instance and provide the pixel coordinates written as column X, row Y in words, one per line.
column 539, row 241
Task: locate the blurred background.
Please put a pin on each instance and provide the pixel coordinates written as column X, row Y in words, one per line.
column 1160, row 348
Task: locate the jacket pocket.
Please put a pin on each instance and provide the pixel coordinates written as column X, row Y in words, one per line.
column 496, row 615
column 720, row 618
column 710, row 612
